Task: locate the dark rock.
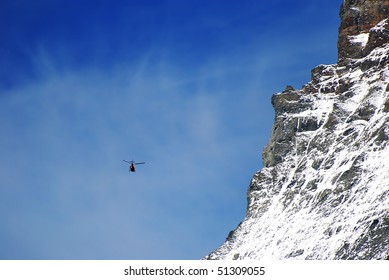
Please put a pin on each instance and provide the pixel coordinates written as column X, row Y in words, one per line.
column 295, row 254
column 230, row 235
column 386, row 105
column 358, row 17
column 374, row 224
column 381, row 136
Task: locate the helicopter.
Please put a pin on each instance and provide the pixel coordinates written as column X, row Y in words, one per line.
column 132, row 165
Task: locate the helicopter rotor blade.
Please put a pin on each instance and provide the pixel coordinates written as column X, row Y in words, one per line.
column 140, row 162
column 127, row 161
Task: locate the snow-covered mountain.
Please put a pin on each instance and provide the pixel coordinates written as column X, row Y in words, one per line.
column 324, row 190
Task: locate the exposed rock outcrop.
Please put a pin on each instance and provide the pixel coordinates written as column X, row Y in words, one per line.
column 356, row 36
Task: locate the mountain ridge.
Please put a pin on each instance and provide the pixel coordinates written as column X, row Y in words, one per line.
column 324, row 190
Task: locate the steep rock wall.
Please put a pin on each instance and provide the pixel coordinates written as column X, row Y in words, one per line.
column 324, row 190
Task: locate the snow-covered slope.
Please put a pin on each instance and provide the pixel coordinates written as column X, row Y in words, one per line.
column 324, row 191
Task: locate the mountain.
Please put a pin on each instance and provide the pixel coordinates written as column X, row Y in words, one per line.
column 324, row 190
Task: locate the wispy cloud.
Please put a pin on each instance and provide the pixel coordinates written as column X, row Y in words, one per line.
column 198, row 116
column 66, row 137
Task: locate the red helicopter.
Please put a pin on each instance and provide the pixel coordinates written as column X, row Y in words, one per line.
column 132, row 164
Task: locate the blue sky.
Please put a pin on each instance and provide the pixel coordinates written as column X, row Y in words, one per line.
column 184, row 85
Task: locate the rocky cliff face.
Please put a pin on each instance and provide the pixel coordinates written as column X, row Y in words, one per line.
column 324, row 190
column 358, row 17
